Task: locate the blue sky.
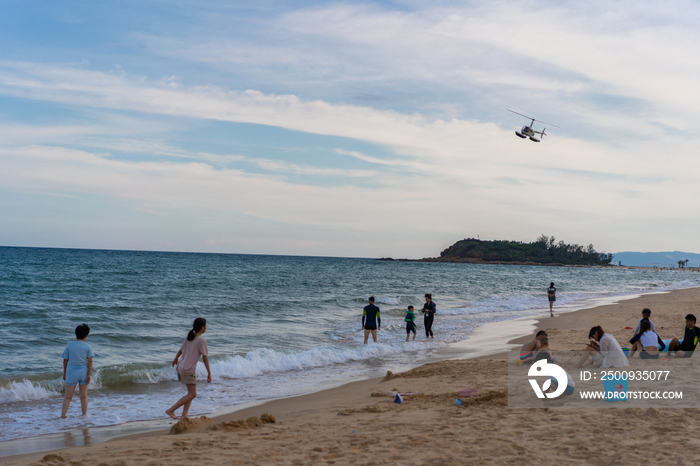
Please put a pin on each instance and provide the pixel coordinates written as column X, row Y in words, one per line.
column 347, row 128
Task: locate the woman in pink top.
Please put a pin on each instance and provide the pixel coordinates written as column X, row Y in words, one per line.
column 191, row 349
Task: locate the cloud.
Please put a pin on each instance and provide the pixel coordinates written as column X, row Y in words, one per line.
column 559, row 57
column 426, row 133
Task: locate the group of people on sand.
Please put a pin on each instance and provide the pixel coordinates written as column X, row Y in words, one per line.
column 371, row 320
column 603, row 349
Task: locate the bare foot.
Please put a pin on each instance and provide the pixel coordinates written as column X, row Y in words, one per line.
column 171, row 414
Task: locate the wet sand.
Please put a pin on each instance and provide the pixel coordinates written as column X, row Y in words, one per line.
column 359, row 423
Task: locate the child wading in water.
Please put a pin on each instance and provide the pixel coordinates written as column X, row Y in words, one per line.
column 191, row 349
column 410, row 323
column 77, row 368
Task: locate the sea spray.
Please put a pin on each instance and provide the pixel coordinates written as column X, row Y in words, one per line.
column 25, row 391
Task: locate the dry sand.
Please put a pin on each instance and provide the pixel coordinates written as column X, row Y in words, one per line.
column 359, row 424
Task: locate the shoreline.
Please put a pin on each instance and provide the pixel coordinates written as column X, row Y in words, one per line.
column 481, row 344
column 485, row 341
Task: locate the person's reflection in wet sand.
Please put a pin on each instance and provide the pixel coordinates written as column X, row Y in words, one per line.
column 87, row 438
column 71, row 439
column 68, row 439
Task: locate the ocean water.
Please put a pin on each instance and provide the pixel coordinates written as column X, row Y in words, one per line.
column 277, row 325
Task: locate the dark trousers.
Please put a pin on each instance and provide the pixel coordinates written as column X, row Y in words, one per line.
column 428, row 321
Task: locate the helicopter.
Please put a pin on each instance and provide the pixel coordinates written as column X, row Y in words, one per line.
column 527, row 131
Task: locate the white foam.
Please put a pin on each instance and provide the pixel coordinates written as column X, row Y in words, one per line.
column 392, row 301
column 265, row 360
column 25, row 391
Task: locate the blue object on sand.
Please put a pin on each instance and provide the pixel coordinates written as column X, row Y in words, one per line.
column 398, row 399
column 626, row 351
column 458, row 402
column 615, row 390
column 667, row 341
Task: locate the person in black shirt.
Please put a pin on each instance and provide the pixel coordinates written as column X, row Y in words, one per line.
column 429, row 314
column 686, row 348
column 371, row 320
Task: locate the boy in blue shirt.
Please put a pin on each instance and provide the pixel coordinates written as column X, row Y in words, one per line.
column 77, row 368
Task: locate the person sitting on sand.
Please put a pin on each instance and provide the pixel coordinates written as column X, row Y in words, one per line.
column 371, row 320
column 543, row 352
column 646, row 314
column 192, row 348
column 686, row 348
column 530, row 346
column 646, row 341
column 604, row 350
column 410, row 323
column 77, row 368
column 570, row 385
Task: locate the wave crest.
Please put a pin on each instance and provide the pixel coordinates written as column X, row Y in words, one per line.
column 25, row 391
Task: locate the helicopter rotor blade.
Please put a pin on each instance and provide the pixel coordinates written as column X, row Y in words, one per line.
column 520, row 114
column 530, row 118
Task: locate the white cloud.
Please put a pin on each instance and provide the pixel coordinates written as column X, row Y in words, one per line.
column 622, row 76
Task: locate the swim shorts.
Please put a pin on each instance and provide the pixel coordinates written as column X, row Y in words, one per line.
column 76, row 375
column 373, row 327
column 187, row 379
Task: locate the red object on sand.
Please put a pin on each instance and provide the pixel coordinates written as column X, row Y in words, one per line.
column 467, row 392
column 628, row 328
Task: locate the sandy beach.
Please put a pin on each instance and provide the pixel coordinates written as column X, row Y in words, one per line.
column 358, row 423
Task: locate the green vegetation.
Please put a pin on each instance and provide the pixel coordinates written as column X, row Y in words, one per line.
column 543, row 251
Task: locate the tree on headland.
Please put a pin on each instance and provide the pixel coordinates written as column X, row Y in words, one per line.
column 544, row 250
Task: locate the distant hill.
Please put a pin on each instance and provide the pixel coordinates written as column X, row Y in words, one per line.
column 543, row 251
column 659, row 259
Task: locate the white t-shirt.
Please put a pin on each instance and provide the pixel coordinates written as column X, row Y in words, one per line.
column 649, row 338
column 612, row 352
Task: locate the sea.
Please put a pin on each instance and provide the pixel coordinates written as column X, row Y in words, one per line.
column 277, row 326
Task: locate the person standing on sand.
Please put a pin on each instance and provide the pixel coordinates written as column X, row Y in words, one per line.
column 552, row 295
column 77, row 368
column 428, row 311
column 192, row 348
column 371, row 320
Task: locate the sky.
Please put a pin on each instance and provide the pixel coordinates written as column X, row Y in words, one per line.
column 358, row 129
